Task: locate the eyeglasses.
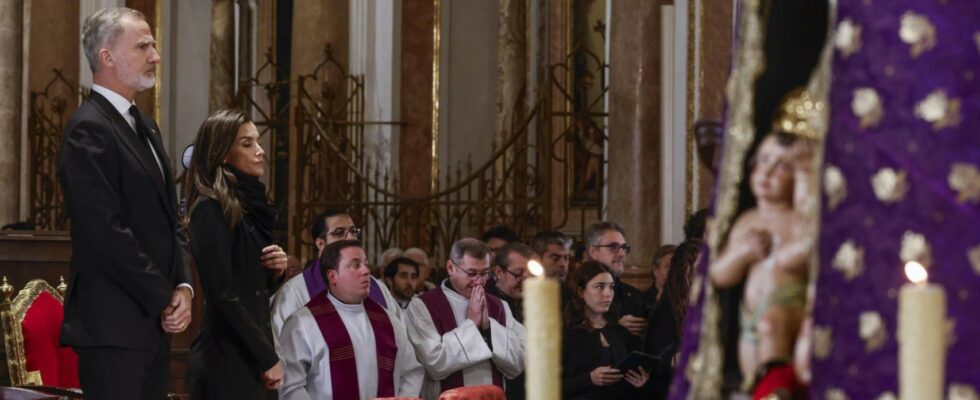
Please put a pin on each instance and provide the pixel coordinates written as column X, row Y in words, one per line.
column 485, row 274
column 517, row 275
column 343, row 232
column 615, row 247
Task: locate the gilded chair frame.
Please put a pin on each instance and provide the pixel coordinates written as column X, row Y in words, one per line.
column 11, row 319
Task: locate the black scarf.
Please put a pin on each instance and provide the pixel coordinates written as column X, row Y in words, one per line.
column 250, row 192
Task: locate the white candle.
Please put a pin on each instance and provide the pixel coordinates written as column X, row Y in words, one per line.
column 542, row 320
column 921, row 336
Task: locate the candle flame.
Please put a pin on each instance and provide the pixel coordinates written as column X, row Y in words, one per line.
column 535, row 268
column 916, row 272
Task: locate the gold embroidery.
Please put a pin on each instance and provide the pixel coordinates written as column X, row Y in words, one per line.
column 917, row 32
column 939, row 110
column 867, row 106
column 849, row 260
column 835, row 394
column 962, row 391
column 848, row 38
column 696, row 283
column 915, row 248
column 965, row 180
column 796, row 112
column 974, row 255
column 976, row 38
column 823, row 342
column 887, row 396
column 950, row 332
column 872, row 331
column 834, row 185
column 889, row 185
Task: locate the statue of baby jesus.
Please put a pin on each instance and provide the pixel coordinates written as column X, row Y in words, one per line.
column 768, row 248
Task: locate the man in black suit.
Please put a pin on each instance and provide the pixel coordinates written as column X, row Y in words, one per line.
column 129, row 271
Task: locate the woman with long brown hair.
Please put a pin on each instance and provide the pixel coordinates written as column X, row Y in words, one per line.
column 230, row 227
column 591, row 344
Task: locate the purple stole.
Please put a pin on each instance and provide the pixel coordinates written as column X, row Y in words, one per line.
column 315, row 284
column 343, row 369
column 442, row 316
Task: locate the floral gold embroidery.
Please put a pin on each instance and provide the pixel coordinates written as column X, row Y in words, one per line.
column 965, row 180
column 872, row 331
column 917, row 32
column 823, row 342
column 848, row 38
column 961, row 391
column 915, row 248
column 867, row 106
column 849, row 260
column 890, row 185
column 974, row 255
column 939, row 110
column 835, row 394
column 834, row 185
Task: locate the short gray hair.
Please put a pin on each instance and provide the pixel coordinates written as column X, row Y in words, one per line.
column 594, row 232
column 102, row 29
column 468, row 246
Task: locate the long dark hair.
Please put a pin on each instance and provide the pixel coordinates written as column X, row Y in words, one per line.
column 678, row 284
column 208, row 176
column 574, row 311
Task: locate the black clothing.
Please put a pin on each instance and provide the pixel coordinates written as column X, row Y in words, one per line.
column 661, row 338
column 628, row 300
column 129, row 252
column 234, row 346
column 514, row 387
column 582, row 352
column 136, row 374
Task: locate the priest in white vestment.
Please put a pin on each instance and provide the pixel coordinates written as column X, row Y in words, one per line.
column 462, row 335
column 343, row 344
column 329, row 226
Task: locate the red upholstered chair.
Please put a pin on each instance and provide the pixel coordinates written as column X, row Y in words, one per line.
column 32, row 326
column 482, row 392
column 397, row 398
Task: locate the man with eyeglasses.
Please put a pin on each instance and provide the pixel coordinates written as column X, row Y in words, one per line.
column 328, row 227
column 606, row 243
column 462, row 335
column 510, row 270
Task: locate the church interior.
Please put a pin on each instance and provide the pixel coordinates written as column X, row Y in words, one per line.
column 430, row 121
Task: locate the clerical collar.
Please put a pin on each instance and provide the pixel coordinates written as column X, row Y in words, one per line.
column 340, row 305
column 452, row 290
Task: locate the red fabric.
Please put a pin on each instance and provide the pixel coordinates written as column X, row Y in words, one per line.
column 42, row 334
column 782, row 378
column 481, row 392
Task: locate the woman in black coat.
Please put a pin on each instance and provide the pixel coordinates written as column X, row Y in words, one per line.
column 592, row 346
column 230, row 229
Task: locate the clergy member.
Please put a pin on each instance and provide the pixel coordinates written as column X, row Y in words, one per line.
column 342, row 344
column 328, row 227
column 462, row 335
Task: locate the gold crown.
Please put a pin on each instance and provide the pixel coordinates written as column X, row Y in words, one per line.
column 795, row 114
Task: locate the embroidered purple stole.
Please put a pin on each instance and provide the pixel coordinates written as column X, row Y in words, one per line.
column 444, row 319
column 343, row 368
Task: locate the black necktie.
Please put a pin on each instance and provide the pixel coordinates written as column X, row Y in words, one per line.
column 143, row 132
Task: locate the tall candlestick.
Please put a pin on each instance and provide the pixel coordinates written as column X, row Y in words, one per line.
column 542, row 318
column 921, row 336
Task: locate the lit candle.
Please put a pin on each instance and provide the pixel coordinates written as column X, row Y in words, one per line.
column 542, row 319
column 921, row 336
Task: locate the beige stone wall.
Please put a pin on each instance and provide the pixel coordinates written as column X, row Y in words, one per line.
column 11, row 46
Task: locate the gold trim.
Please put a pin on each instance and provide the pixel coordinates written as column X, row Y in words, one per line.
column 695, row 14
column 436, row 48
column 11, row 321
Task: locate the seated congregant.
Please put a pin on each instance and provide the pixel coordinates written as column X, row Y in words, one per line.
column 592, row 345
column 342, row 344
column 510, row 270
column 605, row 242
column 428, row 278
column 401, row 274
column 554, row 251
column 661, row 264
column 462, row 335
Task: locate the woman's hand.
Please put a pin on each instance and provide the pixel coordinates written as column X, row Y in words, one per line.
column 274, row 259
column 637, row 377
column 604, row 376
column 273, row 377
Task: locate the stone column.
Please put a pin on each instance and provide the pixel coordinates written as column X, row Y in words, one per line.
column 511, row 68
column 415, row 158
column 715, row 21
column 11, row 79
column 222, row 93
column 634, row 125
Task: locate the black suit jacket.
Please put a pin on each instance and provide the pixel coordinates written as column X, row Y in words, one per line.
column 581, row 353
column 128, row 249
